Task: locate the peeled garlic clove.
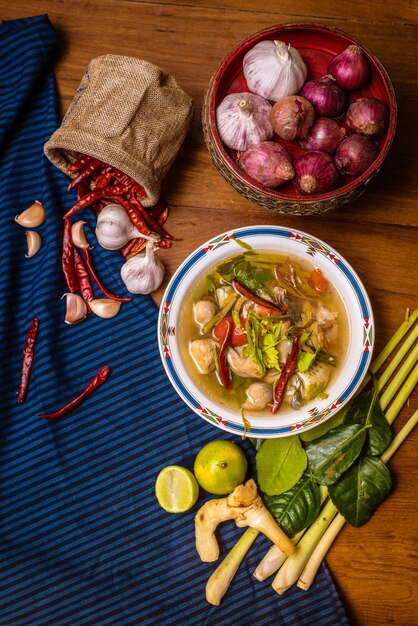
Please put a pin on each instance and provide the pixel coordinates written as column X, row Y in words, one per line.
column 32, row 217
column 78, row 236
column 76, row 308
column 34, row 242
column 105, row 307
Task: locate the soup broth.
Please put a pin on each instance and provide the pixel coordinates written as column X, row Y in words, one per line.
column 262, row 329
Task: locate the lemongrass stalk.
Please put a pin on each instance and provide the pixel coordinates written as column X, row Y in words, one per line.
column 275, row 558
column 308, row 575
column 397, row 359
column 402, row 396
column 219, row 581
column 292, row 568
column 394, row 340
column 398, row 379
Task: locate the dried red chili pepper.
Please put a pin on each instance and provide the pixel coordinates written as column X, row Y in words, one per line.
column 98, row 380
column 159, row 212
column 83, row 277
column 150, row 220
column 250, row 295
column 68, row 259
column 104, row 177
column 92, row 272
column 286, row 373
column 134, row 215
column 224, row 371
column 27, row 359
column 86, row 173
column 81, row 162
column 111, row 192
column 126, row 250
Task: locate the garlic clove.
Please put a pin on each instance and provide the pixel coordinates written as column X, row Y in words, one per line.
column 78, row 235
column 75, row 308
column 34, row 242
column 32, row 217
column 105, row 307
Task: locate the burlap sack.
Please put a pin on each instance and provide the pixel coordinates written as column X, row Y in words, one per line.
column 128, row 113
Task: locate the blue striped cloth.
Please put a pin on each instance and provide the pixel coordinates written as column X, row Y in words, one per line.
column 82, row 538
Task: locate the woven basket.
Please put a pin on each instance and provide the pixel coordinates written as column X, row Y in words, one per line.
column 229, row 79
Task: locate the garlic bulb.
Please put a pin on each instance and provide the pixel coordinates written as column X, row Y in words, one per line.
column 274, row 70
column 114, row 228
column 243, row 119
column 143, row 273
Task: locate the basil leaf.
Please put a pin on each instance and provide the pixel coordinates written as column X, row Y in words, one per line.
column 366, row 410
column 296, row 508
column 280, row 464
column 331, row 455
column 360, row 491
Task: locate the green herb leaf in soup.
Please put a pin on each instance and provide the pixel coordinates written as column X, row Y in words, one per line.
column 361, row 489
column 280, row 464
column 296, row 508
column 331, row 455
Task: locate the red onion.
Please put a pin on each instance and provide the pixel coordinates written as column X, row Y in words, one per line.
column 367, row 116
column 315, row 173
column 325, row 135
column 355, row 154
column 291, row 117
column 350, row 68
column 268, row 163
column 325, row 95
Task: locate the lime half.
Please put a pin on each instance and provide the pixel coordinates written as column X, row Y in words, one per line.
column 176, row 489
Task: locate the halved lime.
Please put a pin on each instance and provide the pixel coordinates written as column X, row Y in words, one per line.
column 176, row 489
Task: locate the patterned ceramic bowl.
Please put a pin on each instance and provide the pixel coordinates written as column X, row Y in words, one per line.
column 317, row 44
column 287, row 420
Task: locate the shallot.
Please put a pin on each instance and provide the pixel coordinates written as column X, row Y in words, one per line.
column 325, row 95
column 274, row 70
column 292, row 117
column 268, row 163
column 325, row 135
column 355, row 154
column 315, row 173
column 350, row 68
column 243, row 119
column 368, row 116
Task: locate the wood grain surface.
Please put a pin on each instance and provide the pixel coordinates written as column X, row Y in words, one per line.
column 375, row 567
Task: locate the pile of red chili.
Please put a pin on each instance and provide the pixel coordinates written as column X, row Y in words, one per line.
column 97, row 184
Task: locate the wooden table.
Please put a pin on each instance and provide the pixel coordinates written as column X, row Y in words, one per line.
column 375, row 567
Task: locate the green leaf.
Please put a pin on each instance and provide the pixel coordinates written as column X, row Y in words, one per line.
column 331, row 455
column 247, row 278
column 360, row 491
column 269, row 342
column 296, row 508
column 236, row 318
column 280, row 464
column 366, row 410
column 243, row 244
column 305, row 360
column 322, row 429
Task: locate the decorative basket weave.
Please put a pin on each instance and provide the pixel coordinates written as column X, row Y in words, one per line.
column 318, row 44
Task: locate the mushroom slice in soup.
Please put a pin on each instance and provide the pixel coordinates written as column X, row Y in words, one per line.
column 241, row 365
column 203, row 354
column 204, row 310
column 259, row 395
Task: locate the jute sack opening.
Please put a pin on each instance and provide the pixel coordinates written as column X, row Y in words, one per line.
column 128, row 113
